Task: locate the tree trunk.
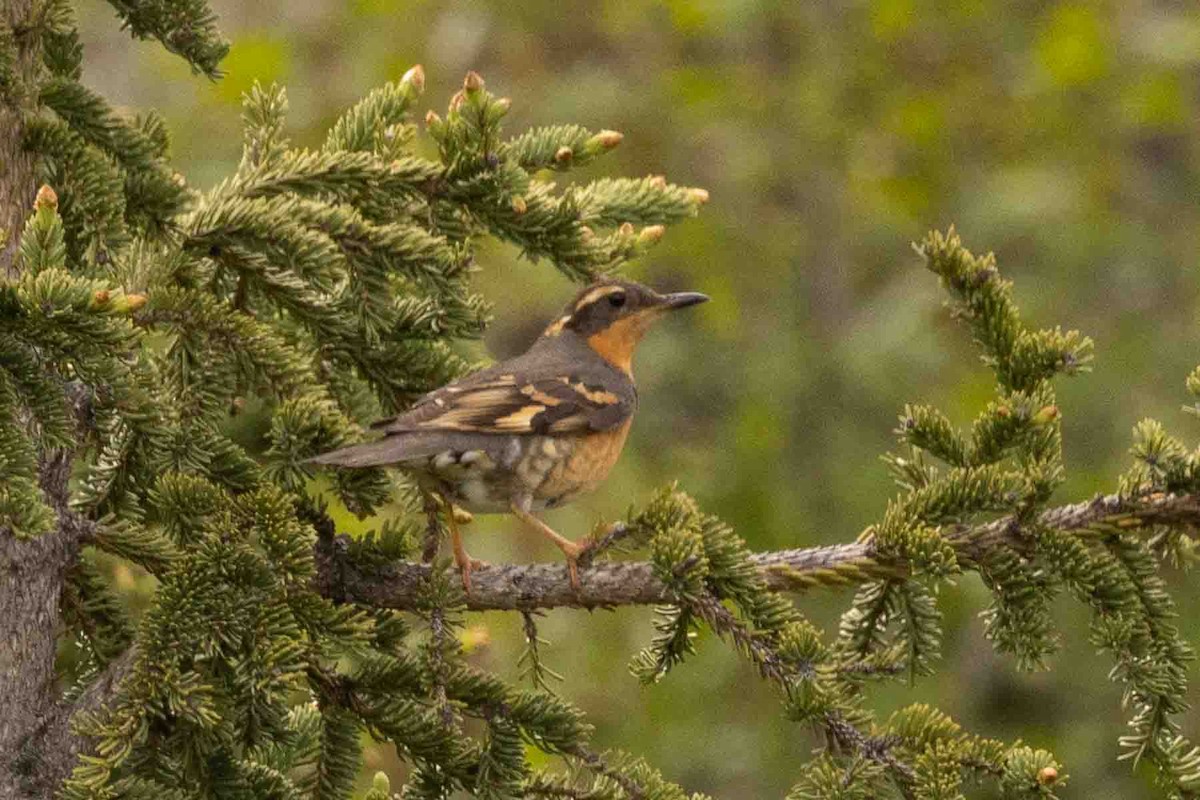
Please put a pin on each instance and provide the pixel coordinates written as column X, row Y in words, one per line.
column 31, row 570
column 17, row 176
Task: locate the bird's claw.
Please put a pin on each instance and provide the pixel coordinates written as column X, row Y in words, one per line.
column 466, row 567
column 579, row 555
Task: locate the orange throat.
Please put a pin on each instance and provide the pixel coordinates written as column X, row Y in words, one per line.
column 616, row 343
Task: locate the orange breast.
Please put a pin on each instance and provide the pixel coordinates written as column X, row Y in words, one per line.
column 588, row 463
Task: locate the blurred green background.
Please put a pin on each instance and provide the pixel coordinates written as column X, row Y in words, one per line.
column 831, row 135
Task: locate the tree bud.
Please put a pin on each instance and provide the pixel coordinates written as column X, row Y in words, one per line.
column 604, row 140
column 46, row 198
column 651, row 234
column 563, row 155
column 415, row 78
column 473, row 82
column 1046, row 415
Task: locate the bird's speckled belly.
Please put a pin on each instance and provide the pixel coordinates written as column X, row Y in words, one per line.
column 551, row 471
column 585, row 467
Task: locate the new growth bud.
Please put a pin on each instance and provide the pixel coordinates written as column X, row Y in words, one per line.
column 658, row 181
column 434, row 124
column 100, row 299
column 626, row 229
column 1045, row 416
column 46, row 198
column 1047, row 776
column 698, row 195
column 609, row 139
column 518, row 205
column 602, row 141
column 651, row 234
column 134, row 301
column 473, row 82
column 415, row 78
column 563, row 155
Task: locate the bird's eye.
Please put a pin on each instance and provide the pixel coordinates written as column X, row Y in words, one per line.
column 616, row 300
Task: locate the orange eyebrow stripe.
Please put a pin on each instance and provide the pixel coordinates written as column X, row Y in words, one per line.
column 596, row 294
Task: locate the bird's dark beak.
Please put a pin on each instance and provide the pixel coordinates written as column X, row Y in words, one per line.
column 683, row 300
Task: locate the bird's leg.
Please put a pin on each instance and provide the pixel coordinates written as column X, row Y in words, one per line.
column 462, row 559
column 572, row 550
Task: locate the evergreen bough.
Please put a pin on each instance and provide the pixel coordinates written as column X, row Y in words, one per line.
column 142, row 321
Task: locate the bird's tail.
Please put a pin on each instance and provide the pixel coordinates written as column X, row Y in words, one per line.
column 388, row 450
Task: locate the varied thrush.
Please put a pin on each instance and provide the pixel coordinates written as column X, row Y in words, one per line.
column 532, row 432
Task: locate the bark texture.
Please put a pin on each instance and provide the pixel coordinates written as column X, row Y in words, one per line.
column 31, row 578
column 31, row 570
column 17, row 169
column 616, row 583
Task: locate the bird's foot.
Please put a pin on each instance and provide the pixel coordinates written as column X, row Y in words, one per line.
column 578, row 555
column 466, row 567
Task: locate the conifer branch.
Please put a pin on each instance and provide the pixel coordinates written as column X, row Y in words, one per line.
column 618, row 583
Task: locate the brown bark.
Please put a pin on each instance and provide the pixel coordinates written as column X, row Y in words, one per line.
column 31, row 570
column 37, row 747
column 17, row 173
column 54, row 748
column 536, row 586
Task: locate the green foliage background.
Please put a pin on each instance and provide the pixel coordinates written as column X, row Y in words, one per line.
column 830, row 136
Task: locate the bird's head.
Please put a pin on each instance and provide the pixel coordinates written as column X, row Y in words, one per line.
column 613, row 315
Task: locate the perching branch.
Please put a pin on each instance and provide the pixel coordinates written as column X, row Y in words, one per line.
column 532, row 586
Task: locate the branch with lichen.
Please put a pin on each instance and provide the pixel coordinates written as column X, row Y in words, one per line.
column 608, row 584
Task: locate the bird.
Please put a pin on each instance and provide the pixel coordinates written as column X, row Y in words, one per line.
column 532, row 432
